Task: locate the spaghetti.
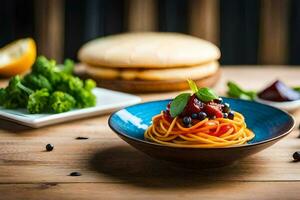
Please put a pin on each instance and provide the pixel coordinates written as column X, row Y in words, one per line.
column 207, row 133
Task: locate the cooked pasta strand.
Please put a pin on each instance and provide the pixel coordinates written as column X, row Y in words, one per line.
column 203, row 134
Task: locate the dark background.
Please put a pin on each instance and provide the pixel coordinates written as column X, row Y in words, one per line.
column 239, row 24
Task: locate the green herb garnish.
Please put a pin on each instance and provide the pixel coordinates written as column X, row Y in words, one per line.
column 236, row 91
column 206, row 94
column 203, row 94
column 192, row 85
column 297, row 89
column 179, row 103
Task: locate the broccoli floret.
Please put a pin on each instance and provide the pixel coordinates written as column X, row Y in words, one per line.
column 46, row 68
column 43, row 66
column 74, row 83
column 14, row 97
column 89, row 84
column 79, row 90
column 61, row 102
column 67, row 67
column 84, row 98
column 69, row 84
column 2, row 96
column 38, row 101
column 34, row 91
column 37, row 81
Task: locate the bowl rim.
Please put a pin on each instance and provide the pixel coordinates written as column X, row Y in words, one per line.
column 285, row 133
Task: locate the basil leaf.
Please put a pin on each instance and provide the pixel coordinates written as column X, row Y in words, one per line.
column 206, row 94
column 179, row 103
column 236, row 91
column 192, row 85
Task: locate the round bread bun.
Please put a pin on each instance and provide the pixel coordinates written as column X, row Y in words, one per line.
column 148, row 50
column 140, row 86
column 183, row 73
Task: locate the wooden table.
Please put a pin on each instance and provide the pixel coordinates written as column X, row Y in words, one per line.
column 111, row 169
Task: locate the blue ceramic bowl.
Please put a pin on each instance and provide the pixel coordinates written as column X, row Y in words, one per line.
column 268, row 123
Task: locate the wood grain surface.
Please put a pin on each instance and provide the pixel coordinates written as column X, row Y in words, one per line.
column 111, row 169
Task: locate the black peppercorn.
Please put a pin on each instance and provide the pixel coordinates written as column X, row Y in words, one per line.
column 75, row 174
column 49, row 147
column 296, row 156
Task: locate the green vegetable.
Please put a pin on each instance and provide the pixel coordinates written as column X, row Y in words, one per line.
column 206, row 94
column 84, row 98
column 43, row 66
column 61, row 102
column 48, row 69
column 192, row 85
column 81, row 91
column 69, row 84
column 37, row 81
column 297, row 89
column 2, row 96
column 237, row 92
column 38, row 101
column 14, row 97
column 67, row 67
column 89, row 84
column 178, row 104
column 48, row 88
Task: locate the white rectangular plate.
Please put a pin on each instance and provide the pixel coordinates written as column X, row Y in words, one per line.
column 107, row 101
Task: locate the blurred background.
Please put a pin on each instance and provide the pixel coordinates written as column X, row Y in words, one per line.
column 248, row 32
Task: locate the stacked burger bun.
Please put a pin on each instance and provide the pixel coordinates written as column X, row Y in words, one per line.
column 149, row 62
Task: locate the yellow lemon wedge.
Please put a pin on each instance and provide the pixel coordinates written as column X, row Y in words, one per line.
column 17, row 57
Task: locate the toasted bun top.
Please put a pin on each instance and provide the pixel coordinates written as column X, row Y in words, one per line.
column 148, row 50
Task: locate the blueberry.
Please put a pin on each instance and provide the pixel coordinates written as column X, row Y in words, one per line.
column 202, row 115
column 187, row 121
column 296, row 156
column 231, row 115
column 49, row 147
column 194, row 116
column 225, row 115
column 226, row 108
column 218, row 100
